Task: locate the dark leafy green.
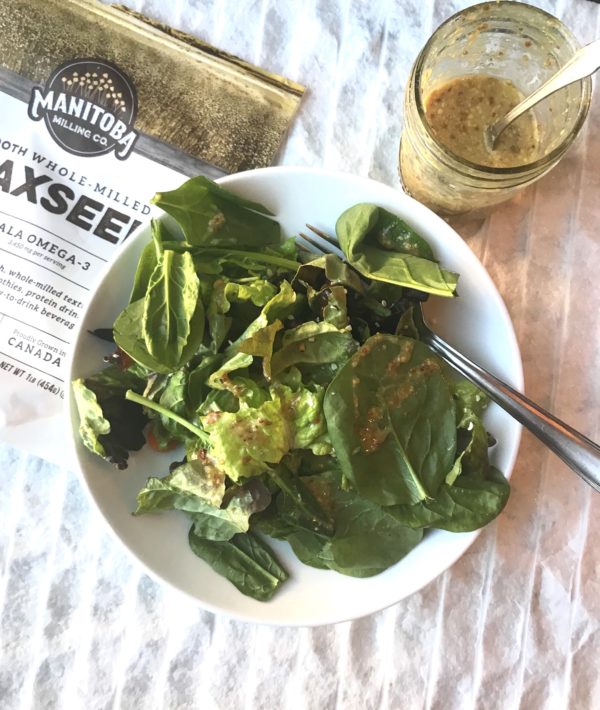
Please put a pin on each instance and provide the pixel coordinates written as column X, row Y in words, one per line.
column 245, row 560
column 392, row 421
column 367, row 538
column 360, row 231
column 149, row 259
column 468, row 504
column 212, row 216
column 170, row 305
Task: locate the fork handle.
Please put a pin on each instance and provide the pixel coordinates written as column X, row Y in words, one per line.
column 575, row 449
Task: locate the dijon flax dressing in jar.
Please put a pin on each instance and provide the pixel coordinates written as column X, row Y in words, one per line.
column 459, row 111
column 501, row 52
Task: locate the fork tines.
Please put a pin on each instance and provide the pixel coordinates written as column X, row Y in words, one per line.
column 312, row 243
column 325, row 244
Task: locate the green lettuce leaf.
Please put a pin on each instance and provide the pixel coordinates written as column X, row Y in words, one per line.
column 248, row 441
column 261, row 343
column 191, row 487
column 303, row 409
column 110, row 426
column 313, row 343
column 223, row 312
column 245, row 442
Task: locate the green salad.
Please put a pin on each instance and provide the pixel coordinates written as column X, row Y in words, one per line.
column 293, row 390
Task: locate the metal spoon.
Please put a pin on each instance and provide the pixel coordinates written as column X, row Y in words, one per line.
column 583, row 63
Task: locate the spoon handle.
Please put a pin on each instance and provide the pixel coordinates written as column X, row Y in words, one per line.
column 583, row 63
column 576, row 450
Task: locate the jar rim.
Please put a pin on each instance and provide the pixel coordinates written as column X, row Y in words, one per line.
column 537, row 166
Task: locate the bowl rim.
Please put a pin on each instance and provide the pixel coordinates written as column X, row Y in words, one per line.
column 69, row 411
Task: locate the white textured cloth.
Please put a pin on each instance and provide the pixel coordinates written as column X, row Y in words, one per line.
column 516, row 622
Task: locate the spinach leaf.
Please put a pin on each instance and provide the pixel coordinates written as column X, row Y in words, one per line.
column 174, row 398
column 133, row 396
column 210, row 215
column 129, row 337
column 311, row 548
column 197, row 388
column 236, row 263
column 367, row 539
column 298, row 504
column 247, row 562
column 170, row 305
column 470, row 503
column 392, row 422
column 149, row 258
column 393, row 233
column 357, row 230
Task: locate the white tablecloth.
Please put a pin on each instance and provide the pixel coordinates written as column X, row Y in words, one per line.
column 514, row 623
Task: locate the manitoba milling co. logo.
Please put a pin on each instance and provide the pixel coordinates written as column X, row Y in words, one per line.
column 89, row 107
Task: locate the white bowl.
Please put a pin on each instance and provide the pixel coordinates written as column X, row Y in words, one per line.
column 477, row 322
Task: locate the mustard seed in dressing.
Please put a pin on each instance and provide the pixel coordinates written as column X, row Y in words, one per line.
column 459, row 111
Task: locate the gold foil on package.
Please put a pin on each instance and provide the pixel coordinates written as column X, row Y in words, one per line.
column 197, row 107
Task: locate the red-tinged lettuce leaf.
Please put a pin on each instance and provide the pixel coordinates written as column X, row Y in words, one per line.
column 110, row 425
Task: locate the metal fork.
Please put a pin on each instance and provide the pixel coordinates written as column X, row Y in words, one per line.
column 579, row 453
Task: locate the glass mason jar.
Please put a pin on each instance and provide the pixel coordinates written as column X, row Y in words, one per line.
column 506, row 40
